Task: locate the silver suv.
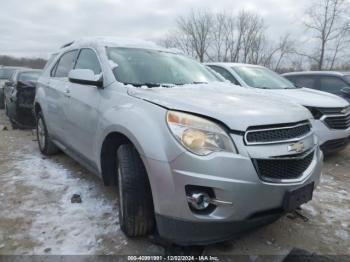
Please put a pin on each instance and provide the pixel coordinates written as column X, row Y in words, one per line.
column 331, row 113
column 193, row 158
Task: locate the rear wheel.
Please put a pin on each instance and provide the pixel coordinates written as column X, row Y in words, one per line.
column 2, row 99
column 46, row 146
column 136, row 212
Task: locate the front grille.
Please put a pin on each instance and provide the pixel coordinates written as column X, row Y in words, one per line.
column 335, row 145
column 332, row 110
column 277, row 134
column 276, row 169
column 338, row 122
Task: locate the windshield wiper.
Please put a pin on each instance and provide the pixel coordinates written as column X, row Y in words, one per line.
column 198, row 82
column 149, row 85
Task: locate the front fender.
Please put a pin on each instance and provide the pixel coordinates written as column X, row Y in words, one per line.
column 144, row 124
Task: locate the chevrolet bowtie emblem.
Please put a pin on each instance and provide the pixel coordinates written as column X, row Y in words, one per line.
column 297, row 147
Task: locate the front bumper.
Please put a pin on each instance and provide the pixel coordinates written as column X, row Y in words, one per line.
column 331, row 140
column 233, row 178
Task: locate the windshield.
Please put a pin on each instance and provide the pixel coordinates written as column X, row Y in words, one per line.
column 260, row 77
column 153, row 68
column 6, row 73
column 29, row 76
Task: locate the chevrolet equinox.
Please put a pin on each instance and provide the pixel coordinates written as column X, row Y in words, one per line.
column 191, row 157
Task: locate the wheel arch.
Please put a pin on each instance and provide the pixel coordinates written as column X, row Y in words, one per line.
column 108, row 156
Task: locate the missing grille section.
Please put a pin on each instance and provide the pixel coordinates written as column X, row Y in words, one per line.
column 280, row 134
column 275, row 170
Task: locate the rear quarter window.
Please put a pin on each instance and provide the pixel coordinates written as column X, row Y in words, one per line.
column 65, row 64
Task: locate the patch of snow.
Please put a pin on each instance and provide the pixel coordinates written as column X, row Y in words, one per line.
column 67, row 228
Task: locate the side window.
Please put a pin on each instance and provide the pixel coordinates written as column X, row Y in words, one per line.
column 332, row 84
column 65, row 64
column 88, row 60
column 303, row 81
column 226, row 74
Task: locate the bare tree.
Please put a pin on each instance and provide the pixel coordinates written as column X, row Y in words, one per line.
column 223, row 36
column 285, row 47
column 327, row 20
column 196, row 29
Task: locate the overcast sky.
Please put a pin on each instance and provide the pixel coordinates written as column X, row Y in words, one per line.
column 38, row 27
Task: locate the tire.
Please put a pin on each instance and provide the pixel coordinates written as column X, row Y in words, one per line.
column 46, row 146
column 2, row 99
column 136, row 212
column 14, row 125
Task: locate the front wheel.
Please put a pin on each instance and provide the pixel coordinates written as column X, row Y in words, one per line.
column 46, row 146
column 136, row 212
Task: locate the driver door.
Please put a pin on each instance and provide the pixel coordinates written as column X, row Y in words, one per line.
column 82, row 109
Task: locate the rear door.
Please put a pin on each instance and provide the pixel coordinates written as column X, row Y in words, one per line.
column 56, row 93
column 82, row 108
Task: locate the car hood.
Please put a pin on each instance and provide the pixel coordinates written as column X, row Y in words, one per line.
column 238, row 108
column 308, row 97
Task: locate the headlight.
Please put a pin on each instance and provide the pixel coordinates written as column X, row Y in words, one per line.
column 198, row 135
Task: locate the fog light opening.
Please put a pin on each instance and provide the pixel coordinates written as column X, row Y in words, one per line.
column 199, row 199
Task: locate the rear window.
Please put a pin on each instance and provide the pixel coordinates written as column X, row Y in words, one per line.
column 6, row 73
column 29, row 76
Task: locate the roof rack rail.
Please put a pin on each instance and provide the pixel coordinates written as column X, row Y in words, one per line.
column 68, row 44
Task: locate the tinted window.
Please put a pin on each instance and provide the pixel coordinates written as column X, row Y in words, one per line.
column 226, row 74
column 29, row 76
column 88, row 60
column 347, row 78
column 65, row 64
column 303, row 81
column 332, row 84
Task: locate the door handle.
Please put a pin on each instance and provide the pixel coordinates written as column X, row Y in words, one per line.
column 67, row 93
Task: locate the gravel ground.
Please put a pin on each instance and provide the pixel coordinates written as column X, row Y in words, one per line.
column 37, row 216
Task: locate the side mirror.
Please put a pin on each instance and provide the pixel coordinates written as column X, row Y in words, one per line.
column 85, row 77
column 346, row 91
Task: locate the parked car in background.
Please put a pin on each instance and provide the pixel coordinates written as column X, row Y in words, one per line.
column 19, row 93
column 5, row 74
column 337, row 83
column 331, row 113
column 159, row 124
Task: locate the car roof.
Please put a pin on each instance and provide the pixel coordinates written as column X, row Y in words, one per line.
column 115, row 42
column 327, row 73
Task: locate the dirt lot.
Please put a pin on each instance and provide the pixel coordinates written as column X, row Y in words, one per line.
column 37, row 216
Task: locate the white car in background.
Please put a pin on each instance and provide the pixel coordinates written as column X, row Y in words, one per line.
column 331, row 113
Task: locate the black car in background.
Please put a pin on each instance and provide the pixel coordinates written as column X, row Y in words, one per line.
column 19, row 94
column 5, row 74
column 337, row 83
